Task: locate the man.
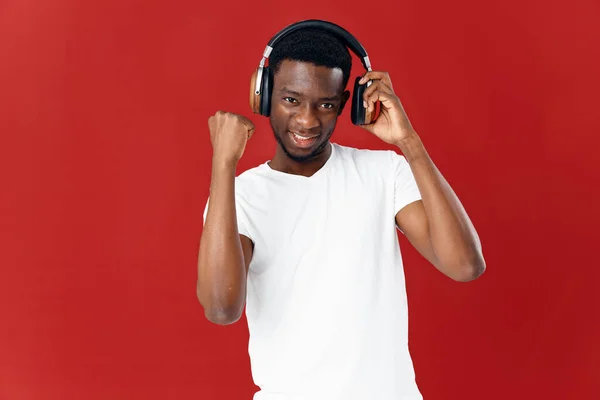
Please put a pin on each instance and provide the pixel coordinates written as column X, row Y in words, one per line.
column 307, row 241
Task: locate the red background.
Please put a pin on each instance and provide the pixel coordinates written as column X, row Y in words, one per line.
column 105, row 162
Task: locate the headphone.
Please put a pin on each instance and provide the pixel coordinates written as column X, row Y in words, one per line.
column 261, row 83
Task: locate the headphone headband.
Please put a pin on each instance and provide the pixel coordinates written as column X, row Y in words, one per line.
column 261, row 83
column 342, row 34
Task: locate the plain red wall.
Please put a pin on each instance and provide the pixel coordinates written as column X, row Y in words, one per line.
column 105, row 163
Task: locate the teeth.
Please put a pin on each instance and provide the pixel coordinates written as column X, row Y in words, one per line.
column 302, row 137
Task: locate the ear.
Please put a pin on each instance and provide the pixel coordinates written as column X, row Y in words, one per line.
column 345, row 97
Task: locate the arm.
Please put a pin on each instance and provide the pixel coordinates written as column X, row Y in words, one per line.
column 224, row 255
column 438, row 226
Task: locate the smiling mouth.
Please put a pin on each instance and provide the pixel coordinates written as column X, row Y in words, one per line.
column 302, row 141
column 301, row 137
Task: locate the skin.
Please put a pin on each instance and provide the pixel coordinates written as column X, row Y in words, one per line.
column 308, row 99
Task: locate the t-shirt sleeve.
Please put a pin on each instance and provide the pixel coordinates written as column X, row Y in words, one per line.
column 406, row 190
column 242, row 218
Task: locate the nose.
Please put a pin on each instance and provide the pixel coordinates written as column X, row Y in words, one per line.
column 306, row 118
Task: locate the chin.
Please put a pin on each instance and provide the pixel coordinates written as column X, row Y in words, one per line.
column 299, row 149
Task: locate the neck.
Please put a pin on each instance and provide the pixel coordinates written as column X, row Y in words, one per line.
column 282, row 162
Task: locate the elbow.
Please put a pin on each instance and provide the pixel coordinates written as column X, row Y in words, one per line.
column 470, row 271
column 218, row 312
column 222, row 317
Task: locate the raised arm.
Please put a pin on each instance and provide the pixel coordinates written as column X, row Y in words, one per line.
column 438, row 225
column 224, row 255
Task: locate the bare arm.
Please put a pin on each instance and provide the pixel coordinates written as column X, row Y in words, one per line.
column 438, row 226
column 224, row 255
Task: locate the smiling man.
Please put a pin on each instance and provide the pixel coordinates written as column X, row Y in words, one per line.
column 305, row 137
column 307, row 241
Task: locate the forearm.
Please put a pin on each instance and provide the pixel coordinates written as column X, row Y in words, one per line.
column 221, row 268
column 453, row 237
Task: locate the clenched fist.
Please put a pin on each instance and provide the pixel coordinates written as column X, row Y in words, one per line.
column 229, row 134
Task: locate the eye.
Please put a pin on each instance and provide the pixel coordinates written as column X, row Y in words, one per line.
column 290, row 100
column 327, row 105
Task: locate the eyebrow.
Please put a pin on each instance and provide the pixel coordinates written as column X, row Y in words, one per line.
column 297, row 94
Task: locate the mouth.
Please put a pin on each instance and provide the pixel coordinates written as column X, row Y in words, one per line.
column 302, row 141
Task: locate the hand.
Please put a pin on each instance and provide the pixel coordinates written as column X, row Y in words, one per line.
column 392, row 124
column 229, row 134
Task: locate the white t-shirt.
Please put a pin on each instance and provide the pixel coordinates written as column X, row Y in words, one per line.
column 326, row 301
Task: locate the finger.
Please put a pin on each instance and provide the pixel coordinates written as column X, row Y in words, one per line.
column 377, row 75
column 387, row 100
column 251, row 132
column 378, row 85
column 370, row 127
column 248, row 124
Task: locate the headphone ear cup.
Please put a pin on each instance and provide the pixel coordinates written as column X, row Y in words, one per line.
column 267, row 87
column 254, row 98
column 360, row 115
column 357, row 113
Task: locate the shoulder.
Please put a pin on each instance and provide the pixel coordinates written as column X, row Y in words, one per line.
column 369, row 158
column 249, row 180
column 244, row 184
column 250, row 174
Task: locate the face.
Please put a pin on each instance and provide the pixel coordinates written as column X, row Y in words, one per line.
column 305, row 104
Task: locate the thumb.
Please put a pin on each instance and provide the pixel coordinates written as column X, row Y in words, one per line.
column 249, row 126
column 369, row 127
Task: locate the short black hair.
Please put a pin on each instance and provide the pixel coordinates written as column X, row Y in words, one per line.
column 315, row 46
